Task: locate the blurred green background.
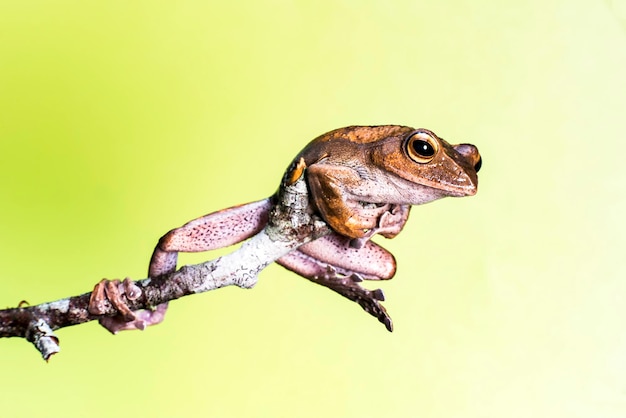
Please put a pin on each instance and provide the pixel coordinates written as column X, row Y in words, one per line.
column 121, row 120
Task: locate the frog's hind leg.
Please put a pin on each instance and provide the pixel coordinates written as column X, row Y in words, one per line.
column 331, row 262
column 215, row 230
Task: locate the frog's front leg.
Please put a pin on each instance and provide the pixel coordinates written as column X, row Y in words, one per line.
column 389, row 224
column 345, row 201
column 330, row 261
column 216, row 230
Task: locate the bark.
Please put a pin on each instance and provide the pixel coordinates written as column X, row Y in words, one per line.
column 292, row 223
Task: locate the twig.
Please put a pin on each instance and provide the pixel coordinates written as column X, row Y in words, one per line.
column 292, row 223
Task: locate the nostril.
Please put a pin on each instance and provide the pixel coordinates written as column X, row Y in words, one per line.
column 478, row 164
column 470, row 154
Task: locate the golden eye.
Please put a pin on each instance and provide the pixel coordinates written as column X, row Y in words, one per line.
column 421, row 147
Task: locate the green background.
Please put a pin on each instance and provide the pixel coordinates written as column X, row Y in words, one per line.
column 121, row 120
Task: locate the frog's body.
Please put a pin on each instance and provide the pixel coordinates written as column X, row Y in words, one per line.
column 363, row 181
column 352, row 170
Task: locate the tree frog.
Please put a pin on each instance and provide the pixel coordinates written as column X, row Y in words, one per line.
column 362, row 181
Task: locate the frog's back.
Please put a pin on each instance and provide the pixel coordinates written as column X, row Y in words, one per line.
column 350, row 137
column 363, row 134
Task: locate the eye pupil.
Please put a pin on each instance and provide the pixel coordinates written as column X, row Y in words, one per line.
column 423, row 148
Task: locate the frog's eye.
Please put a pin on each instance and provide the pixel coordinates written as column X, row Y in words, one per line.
column 421, row 147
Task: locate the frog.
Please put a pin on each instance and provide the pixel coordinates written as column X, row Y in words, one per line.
column 361, row 180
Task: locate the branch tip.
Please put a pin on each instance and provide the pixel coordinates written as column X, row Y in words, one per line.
column 40, row 334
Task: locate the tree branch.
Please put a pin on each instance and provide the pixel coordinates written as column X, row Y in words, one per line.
column 292, row 223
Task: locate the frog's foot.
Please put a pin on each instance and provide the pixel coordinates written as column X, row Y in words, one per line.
column 331, row 262
column 341, row 280
column 349, row 287
column 113, row 292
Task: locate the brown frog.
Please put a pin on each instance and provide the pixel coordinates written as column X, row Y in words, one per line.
column 362, row 180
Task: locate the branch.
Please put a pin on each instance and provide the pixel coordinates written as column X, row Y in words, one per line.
column 291, row 224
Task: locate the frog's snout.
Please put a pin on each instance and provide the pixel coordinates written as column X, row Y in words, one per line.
column 471, row 155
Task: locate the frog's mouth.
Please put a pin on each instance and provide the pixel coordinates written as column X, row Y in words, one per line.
column 466, row 180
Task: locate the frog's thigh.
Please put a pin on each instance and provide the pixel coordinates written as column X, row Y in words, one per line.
column 371, row 262
column 209, row 232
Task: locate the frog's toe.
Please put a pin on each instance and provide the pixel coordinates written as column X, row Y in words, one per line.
column 379, row 295
column 111, row 292
column 143, row 319
column 387, row 321
column 117, row 323
column 370, row 300
column 356, row 277
column 116, row 293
